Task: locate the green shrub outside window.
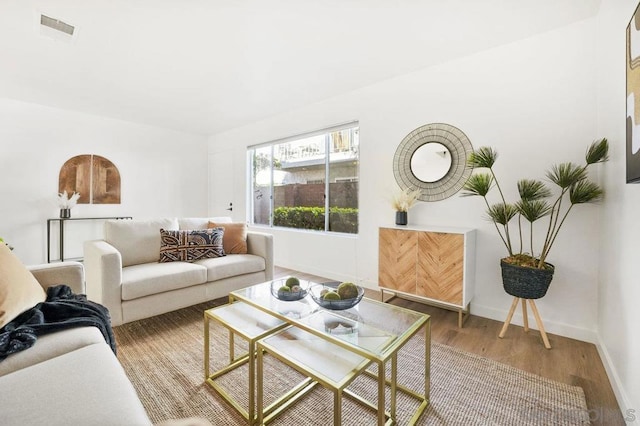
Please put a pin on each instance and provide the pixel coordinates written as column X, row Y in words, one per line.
column 341, row 219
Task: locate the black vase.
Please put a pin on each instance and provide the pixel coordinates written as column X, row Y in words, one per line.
column 526, row 283
column 65, row 213
column 401, row 218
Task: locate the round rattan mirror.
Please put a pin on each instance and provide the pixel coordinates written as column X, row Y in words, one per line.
column 433, row 158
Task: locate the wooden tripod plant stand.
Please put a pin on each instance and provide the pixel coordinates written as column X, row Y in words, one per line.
column 525, row 318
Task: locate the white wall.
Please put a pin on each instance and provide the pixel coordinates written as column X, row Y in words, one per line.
column 533, row 100
column 163, row 172
column 619, row 279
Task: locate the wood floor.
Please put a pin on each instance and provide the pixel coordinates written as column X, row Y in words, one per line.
column 570, row 361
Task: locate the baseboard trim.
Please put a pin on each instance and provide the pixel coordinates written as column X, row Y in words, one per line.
column 630, row 413
column 552, row 327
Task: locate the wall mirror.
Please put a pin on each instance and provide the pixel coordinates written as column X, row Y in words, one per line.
column 433, row 158
column 431, row 162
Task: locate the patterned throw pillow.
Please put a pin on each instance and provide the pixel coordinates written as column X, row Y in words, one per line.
column 190, row 245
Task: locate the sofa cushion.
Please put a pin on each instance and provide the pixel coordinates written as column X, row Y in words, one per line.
column 234, row 239
column 151, row 278
column 190, row 245
column 19, row 289
column 138, row 241
column 232, row 265
column 87, row 386
column 200, row 222
column 50, row 346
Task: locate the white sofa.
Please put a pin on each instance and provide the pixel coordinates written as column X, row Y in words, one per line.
column 123, row 272
column 70, row 377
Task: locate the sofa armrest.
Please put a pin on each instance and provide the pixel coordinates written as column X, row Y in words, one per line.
column 261, row 244
column 69, row 273
column 103, row 265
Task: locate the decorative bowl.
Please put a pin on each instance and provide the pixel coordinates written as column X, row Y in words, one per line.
column 336, row 305
column 288, row 296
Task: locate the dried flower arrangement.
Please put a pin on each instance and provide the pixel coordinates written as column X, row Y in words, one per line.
column 405, row 199
column 66, row 201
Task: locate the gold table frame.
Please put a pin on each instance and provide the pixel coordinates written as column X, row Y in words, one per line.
column 234, row 362
column 314, row 378
column 379, row 359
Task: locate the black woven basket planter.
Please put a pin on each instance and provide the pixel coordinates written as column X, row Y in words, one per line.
column 526, row 283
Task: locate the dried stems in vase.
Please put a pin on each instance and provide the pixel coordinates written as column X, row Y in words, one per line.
column 66, row 201
column 405, row 199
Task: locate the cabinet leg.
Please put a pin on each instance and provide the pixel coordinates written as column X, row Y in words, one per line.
column 508, row 320
column 463, row 315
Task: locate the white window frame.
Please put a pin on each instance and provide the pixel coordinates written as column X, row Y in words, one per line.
column 327, row 141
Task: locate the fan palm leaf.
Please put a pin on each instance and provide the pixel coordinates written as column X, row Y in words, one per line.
column 483, row 157
column 533, row 210
column 530, row 190
column 598, row 152
column 501, row 213
column 566, row 174
column 478, row 184
column 585, row 191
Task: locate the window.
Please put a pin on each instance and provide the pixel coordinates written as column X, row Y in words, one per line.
column 295, row 181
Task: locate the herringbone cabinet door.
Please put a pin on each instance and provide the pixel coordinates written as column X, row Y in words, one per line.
column 440, row 266
column 398, row 251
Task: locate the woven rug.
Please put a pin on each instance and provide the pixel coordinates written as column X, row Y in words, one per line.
column 163, row 357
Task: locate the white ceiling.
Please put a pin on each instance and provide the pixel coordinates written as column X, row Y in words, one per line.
column 205, row 66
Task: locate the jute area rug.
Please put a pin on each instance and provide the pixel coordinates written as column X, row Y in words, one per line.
column 163, row 357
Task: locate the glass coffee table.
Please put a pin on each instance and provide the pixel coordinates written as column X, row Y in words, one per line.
column 373, row 330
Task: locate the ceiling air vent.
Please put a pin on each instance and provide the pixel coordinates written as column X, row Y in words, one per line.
column 57, row 29
column 56, row 25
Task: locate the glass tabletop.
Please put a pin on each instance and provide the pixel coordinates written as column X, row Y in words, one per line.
column 371, row 327
column 315, row 353
column 245, row 318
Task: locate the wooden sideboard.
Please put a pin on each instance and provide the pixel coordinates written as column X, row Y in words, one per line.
column 431, row 264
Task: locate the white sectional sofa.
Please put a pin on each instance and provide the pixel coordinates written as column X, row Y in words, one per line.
column 69, row 377
column 123, row 272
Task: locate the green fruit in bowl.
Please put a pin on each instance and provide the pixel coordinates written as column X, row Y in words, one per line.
column 347, row 290
column 332, row 295
column 284, row 289
column 291, row 281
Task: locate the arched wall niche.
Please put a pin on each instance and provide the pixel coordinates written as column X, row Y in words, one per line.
column 95, row 178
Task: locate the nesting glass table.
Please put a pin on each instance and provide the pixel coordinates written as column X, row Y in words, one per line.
column 371, row 333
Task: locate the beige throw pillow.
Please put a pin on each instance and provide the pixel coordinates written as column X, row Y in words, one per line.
column 234, row 239
column 19, row 289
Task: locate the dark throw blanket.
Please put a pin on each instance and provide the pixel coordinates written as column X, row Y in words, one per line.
column 62, row 310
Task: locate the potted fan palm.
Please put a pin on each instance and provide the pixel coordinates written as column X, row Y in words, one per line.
column 527, row 275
